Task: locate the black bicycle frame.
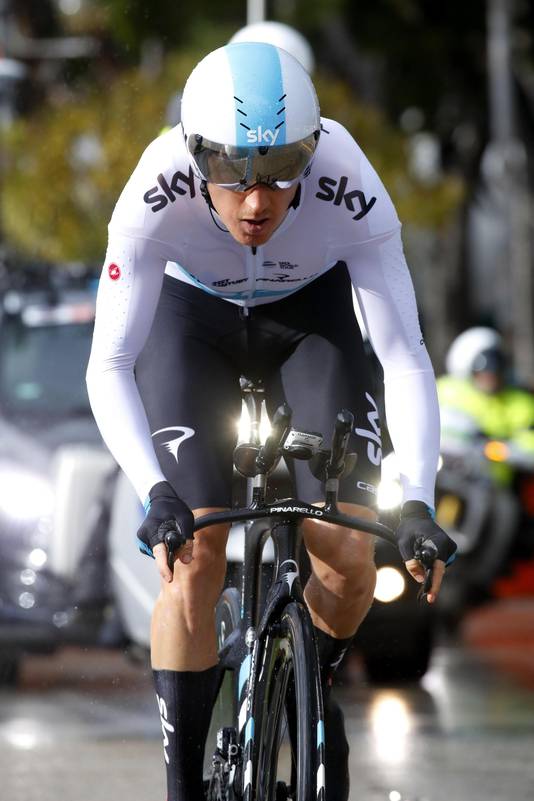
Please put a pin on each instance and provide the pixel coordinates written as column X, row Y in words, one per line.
column 280, row 520
column 286, row 537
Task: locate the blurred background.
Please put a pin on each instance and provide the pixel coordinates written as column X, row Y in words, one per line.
column 440, row 96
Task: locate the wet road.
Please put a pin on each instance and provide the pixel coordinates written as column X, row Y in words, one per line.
column 83, row 726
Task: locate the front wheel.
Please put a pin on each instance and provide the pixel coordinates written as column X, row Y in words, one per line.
column 284, row 741
column 222, row 737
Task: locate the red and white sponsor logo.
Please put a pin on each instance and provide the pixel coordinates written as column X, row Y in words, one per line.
column 114, row 272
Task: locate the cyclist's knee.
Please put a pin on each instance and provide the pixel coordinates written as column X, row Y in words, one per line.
column 338, row 550
column 201, row 580
column 342, row 560
column 347, row 579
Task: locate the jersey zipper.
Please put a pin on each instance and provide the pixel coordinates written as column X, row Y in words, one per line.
column 252, row 261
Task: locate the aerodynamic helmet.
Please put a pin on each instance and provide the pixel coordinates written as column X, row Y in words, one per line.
column 250, row 115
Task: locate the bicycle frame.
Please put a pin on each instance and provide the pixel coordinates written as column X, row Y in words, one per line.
column 280, row 518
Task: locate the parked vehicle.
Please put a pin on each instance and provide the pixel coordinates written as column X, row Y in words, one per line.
column 52, row 465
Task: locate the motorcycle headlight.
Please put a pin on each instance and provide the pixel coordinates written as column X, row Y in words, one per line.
column 24, row 495
column 390, row 584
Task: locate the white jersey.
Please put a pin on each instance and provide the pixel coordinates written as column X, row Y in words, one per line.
column 342, row 212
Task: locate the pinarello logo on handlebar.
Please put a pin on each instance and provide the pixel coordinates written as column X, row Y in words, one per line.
column 302, row 510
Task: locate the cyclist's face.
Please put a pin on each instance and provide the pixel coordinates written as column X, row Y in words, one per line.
column 252, row 216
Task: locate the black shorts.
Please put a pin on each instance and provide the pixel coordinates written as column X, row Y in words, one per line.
column 307, row 349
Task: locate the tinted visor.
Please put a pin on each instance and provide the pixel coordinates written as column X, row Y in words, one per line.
column 241, row 167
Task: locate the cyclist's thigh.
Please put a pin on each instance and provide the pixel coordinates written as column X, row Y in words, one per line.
column 191, row 396
column 322, row 376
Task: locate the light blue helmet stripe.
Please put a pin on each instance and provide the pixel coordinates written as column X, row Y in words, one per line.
column 256, row 66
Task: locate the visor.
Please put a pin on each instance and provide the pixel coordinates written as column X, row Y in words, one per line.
column 239, row 168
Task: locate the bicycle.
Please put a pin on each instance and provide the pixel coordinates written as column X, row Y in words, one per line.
column 267, row 646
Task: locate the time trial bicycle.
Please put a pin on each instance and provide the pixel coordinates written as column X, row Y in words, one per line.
column 266, row 641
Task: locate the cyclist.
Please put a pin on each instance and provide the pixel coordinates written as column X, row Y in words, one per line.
column 233, row 250
column 477, row 397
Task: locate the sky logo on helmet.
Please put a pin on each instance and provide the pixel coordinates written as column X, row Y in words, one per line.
column 261, row 136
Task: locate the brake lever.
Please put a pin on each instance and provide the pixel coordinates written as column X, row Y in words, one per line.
column 173, row 538
column 426, row 552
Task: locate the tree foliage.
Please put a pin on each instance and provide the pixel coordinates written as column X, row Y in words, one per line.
column 67, row 165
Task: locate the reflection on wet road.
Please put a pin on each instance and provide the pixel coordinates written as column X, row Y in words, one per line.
column 83, row 726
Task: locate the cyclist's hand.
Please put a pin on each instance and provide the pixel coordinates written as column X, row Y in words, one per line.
column 163, row 507
column 417, row 527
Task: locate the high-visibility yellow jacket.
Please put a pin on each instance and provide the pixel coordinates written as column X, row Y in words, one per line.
column 505, row 415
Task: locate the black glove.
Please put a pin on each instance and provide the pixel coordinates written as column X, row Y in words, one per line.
column 165, row 511
column 417, row 527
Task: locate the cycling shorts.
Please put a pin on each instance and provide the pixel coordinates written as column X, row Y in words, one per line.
column 307, row 349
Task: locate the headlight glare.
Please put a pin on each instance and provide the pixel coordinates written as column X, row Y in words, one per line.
column 390, row 584
column 24, row 495
column 389, row 494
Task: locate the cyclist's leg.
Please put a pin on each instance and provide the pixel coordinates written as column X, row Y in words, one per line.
column 340, row 589
column 192, row 399
column 184, row 660
column 326, row 371
column 183, row 633
column 320, row 377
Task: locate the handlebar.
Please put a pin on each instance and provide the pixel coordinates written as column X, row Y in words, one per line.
column 292, row 509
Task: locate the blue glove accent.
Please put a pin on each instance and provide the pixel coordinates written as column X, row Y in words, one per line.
column 144, row 548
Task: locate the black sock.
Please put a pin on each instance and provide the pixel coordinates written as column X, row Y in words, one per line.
column 185, row 701
column 331, row 653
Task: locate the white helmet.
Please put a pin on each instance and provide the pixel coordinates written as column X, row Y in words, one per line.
column 250, row 115
column 468, row 347
column 280, row 35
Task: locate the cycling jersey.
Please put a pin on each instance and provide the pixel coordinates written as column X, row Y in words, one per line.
column 341, row 212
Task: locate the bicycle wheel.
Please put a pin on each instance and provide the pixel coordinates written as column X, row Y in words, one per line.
column 222, row 736
column 284, row 748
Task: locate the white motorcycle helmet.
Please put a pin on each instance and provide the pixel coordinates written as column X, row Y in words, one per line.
column 250, row 115
column 468, row 349
column 280, row 35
